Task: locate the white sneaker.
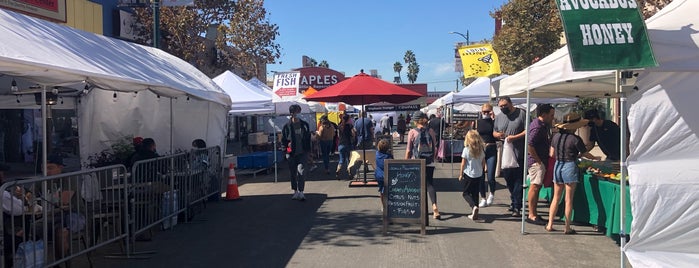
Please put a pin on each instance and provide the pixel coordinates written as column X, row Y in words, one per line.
column 482, row 203
column 301, row 197
column 489, row 201
column 474, row 214
column 295, row 196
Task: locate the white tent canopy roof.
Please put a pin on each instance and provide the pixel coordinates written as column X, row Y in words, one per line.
column 553, row 77
column 55, row 55
column 259, row 84
column 247, row 96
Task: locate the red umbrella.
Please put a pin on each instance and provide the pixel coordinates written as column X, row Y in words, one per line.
column 363, row 89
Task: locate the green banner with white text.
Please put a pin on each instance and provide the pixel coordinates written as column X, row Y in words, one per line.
column 605, row 35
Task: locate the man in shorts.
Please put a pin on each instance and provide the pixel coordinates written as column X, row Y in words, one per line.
column 538, row 147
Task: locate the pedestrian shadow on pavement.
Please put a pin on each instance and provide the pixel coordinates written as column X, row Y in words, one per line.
column 258, row 231
column 357, row 228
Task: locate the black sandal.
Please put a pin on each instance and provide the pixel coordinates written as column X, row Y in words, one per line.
column 570, row 232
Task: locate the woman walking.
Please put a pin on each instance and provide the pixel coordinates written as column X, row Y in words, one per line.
column 347, row 135
column 421, row 145
column 326, row 133
column 485, row 129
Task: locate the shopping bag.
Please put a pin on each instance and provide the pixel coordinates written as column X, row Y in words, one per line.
column 509, row 158
column 90, row 189
column 29, row 254
column 548, row 178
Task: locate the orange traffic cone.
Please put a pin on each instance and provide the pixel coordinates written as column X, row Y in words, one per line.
column 232, row 189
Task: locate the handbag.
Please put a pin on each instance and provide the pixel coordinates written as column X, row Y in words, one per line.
column 509, row 158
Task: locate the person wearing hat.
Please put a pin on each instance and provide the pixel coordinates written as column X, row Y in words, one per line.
column 296, row 138
column 420, row 125
column 566, row 147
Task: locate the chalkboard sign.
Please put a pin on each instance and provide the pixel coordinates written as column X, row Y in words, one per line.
column 404, row 190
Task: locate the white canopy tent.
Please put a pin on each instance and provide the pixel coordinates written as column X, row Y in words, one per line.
column 249, row 99
column 553, row 77
column 51, row 55
column 664, row 145
column 664, row 179
column 259, row 84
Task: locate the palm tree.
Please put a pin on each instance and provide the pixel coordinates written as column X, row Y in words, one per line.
column 413, row 67
column 324, row 64
column 397, row 67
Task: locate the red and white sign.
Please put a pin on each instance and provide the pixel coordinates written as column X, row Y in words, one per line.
column 54, row 10
column 286, row 86
column 319, row 77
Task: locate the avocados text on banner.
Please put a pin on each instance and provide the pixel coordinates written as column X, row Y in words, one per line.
column 605, row 35
column 479, row 60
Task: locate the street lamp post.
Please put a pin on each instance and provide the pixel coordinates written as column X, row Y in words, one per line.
column 465, row 36
column 156, row 23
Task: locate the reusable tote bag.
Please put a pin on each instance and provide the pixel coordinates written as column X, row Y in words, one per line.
column 509, row 158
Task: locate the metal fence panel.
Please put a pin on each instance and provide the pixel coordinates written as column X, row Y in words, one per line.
column 63, row 216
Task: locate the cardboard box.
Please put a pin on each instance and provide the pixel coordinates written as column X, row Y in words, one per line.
column 257, row 138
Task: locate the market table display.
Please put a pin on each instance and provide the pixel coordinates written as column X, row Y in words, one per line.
column 596, row 202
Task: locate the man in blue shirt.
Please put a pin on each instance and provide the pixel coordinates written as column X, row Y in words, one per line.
column 365, row 130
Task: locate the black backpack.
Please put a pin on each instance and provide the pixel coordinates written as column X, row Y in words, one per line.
column 423, row 147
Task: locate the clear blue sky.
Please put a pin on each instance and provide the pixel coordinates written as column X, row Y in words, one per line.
column 374, row 34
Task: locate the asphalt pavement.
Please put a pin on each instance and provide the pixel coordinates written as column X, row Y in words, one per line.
column 341, row 226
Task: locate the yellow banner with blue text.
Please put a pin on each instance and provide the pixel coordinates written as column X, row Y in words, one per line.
column 479, row 60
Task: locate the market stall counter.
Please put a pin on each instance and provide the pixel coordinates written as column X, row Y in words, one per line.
column 596, row 202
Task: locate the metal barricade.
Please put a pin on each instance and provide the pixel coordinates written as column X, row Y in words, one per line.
column 206, row 171
column 51, row 220
column 155, row 190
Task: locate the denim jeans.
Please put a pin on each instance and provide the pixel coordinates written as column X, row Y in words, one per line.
column 325, row 148
column 491, row 160
column 344, row 151
column 513, row 177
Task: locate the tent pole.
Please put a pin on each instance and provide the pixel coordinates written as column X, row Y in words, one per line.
column 44, row 133
column 365, row 117
column 172, row 128
column 622, row 170
column 524, row 168
column 274, row 128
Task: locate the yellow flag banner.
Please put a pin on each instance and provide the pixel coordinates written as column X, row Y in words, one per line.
column 479, row 60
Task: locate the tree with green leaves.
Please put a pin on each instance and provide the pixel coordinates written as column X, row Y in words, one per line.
column 532, row 30
column 397, row 67
column 413, row 66
column 244, row 40
column 324, row 64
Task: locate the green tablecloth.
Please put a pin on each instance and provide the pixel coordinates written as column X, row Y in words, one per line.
column 596, row 202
